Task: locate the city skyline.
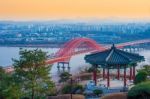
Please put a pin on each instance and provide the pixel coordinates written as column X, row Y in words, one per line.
column 74, row 9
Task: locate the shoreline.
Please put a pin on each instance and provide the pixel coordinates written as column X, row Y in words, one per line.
column 35, row 45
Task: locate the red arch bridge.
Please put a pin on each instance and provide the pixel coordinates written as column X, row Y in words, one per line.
column 79, row 46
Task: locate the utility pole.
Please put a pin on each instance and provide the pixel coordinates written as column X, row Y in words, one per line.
column 71, row 86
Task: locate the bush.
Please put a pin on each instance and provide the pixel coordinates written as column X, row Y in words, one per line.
column 64, row 76
column 146, row 68
column 78, row 89
column 140, row 91
column 67, row 89
column 140, row 77
column 91, row 69
column 97, row 92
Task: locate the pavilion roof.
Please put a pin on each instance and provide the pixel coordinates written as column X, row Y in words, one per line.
column 113, row 56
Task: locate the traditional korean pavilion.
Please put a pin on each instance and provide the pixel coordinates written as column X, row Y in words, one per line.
column 114, row 58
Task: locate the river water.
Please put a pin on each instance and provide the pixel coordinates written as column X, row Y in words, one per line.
column 77, row 62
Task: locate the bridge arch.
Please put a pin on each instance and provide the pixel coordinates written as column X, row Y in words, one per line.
column 70, row 47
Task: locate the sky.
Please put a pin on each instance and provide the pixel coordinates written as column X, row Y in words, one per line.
column 73, row 9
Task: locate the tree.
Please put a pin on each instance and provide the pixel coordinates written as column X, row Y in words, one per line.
column 33, row 73
column 140, row 91
column 9, row 89
column 142, row 74
column 2, row 83
column 64, row 76
column 140, row 77
column 146, row 68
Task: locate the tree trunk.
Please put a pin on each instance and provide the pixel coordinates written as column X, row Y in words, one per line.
column 32, row 93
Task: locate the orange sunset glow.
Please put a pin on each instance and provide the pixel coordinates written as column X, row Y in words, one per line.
column 68, row 9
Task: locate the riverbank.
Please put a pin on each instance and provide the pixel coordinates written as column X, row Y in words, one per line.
column 33, row 45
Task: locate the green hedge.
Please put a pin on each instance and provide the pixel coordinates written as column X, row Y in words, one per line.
column 140, row 91
column 74, row 89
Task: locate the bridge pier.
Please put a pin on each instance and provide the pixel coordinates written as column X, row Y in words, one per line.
column 58, row 67
column 136, row 48
column 63, row 65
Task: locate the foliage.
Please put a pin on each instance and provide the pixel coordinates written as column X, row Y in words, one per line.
column 91, row 69
column 77, row 86
column 78, row 89
column 146, row 68
column 97, row 91
column 142, row 74
column 9, row 88
column 67, row 89
column 64, row 76
column 33, row 74
column 140, row 91
column 140, row 77
column 1, row 72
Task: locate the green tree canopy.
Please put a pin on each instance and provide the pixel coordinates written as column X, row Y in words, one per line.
column 146, row 68
column 140, row 77
column 64, row 76
column 140, row 91
column 33, row 74
column 9, row 87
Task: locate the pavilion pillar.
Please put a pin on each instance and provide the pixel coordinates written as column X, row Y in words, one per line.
column 133, row 72
column 125, row 77
column 108, row 80
column 103, row 73
column 130, row 78
column 118, row 71
column 95, row 74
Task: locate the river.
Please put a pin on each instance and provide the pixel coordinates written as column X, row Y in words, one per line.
column 77, row 62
